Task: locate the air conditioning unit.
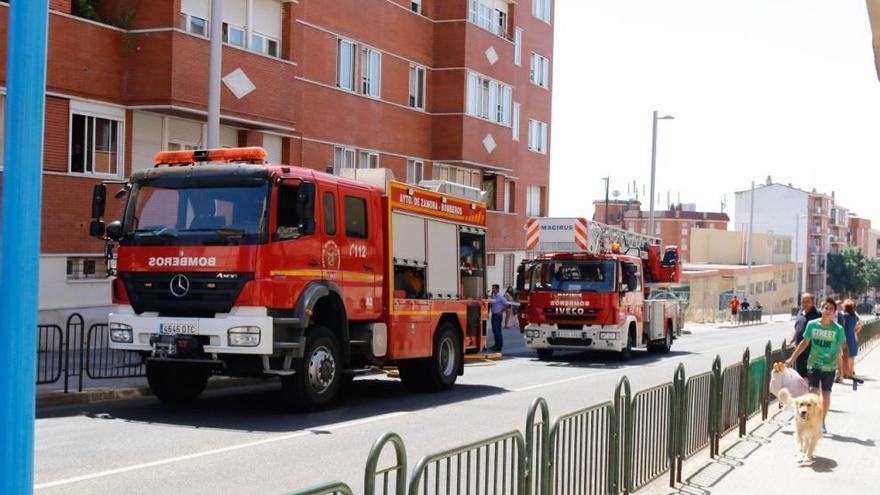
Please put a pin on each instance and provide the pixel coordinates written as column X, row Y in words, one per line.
column 458, row 190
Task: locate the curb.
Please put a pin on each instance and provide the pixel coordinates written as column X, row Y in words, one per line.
column 53, row 399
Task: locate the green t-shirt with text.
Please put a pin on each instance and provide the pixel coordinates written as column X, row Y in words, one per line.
column 824, row 345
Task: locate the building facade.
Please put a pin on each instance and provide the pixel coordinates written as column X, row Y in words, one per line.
column 457, row 90
column 816, row 222
column 674, row 226
column 718, row 270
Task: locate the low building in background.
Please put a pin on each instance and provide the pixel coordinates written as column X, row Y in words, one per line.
column 718, row 270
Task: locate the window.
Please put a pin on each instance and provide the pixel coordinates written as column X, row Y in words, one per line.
column 369, row 159
column 86, row 268
column 232, row 34
column 489, row 188
column 355, row 217
column 415, row 171
column 459, row 175
column 541, row 9
column 491, row 15
column 537, row 136
column 517, row 47
column 488, row 99
column 501, row 22
column 508, row 196
column 329, row 213
column 515, row 124
column 371, row 72
column 94, row 145
column 345, row 59
column 484, row 16
column 287, row 223
column 416, row 6
column 540, row 71
column 193, row 24
column 417, row 87
column 490, row 259
column 264, row 44
column 343, row 158
column 533, row 201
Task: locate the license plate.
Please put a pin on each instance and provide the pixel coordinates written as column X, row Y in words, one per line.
column 607, row 335
column 179, row 328
column 568, row 334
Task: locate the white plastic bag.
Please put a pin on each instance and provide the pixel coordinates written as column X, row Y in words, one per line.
column 790, row 379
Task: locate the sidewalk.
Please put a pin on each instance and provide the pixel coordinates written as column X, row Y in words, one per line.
column 697, row 328
column 847, row 458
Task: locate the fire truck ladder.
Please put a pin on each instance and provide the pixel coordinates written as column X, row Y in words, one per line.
column 600, row 237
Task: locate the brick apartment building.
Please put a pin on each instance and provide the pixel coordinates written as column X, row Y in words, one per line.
column 457, row 90
column 672, row 226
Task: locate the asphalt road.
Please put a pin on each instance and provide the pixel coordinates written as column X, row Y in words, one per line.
column 243, row 441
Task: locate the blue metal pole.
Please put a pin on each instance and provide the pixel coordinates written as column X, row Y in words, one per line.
column 20, row 242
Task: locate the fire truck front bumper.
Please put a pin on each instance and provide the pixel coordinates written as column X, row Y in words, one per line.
column 244, row 330
column 592, row 337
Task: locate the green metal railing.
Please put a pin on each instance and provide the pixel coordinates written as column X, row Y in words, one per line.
column 581, row 445
column 492, row 466
column 609, row 448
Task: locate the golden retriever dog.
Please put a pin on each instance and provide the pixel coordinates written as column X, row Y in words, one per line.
column 807, row 420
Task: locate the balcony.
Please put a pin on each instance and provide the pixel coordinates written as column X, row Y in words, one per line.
column 816, row 230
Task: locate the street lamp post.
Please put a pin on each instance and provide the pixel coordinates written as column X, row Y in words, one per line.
column 215, row 62
column 651, row 231
column 606, row 179
column 797, row 253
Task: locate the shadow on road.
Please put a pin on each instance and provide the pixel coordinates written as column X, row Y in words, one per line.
column 596, row 360
column 259, row 408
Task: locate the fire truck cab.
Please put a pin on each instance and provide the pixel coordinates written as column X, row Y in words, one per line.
column 229, row 266
column 590, row 286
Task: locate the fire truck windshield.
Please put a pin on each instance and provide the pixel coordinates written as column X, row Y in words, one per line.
column 573, row 276
column 196, row 215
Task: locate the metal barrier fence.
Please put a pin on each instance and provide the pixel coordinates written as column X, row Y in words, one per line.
column 103, row 362
column 749, row 316
column 73, row 353
column 49, row 356
column 609, row 448
column 495, row 465
column 650, row 434
column 582, row 446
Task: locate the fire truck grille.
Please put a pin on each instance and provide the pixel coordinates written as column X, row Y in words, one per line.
column 191, row 294
column 586, row 315
column 567, row 341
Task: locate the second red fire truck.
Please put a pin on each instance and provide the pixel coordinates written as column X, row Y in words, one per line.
column 229, row 266
column 590, row 286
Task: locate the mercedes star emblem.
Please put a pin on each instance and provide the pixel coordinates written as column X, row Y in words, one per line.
column 179, row 285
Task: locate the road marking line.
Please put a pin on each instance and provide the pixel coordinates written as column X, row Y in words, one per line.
column 257, row 443
column 564, row 380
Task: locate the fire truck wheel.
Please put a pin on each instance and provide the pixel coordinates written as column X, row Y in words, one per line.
column 446, row 359
column 666, row 346
column 626, row 353
column 318, row 376
column 177, row 383
column 545, row 354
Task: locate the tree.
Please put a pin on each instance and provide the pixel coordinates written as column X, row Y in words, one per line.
column 849, row 272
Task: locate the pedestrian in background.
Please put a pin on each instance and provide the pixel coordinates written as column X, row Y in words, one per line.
column 745, row 304
column 852, row 326
column 508, row 311
column 807, row 314
column 497, row 304
column 734, row 308
column 829, row 339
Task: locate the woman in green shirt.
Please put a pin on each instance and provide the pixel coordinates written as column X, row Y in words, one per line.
column 828, row 339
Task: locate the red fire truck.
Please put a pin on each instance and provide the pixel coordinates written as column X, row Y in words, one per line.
column 591, row 286
column 229, row 266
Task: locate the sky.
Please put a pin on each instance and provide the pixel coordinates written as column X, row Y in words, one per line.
column 785, row 88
